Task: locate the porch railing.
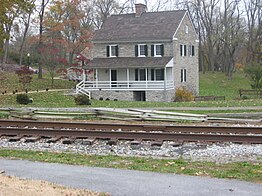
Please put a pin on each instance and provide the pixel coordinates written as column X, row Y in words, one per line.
column 126, row 85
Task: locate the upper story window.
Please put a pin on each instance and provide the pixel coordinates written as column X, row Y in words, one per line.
column 183, row 50
column 191, row 50
column 157, row 50
column 141, row 50
column 112, row 51
column 186, row 29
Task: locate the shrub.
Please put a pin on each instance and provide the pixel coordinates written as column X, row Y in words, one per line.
column 82, row 100
column 182, row 94
column 22, row 99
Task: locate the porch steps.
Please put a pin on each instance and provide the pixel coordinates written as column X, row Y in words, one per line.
column 80, row 89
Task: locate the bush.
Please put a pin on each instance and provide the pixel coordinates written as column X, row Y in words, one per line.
column 82, row 100
column 22, row 99
column 182, row 94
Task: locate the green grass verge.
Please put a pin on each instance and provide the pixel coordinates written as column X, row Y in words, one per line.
column 210, row 84
column 58, row 99
column 218, row 84
column 240, row 170
column 10, row 83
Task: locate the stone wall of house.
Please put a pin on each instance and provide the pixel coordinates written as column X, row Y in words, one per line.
column 157, row 96
column 190, row 63
column 128, row 49
column 112, row 95
column 160, row 96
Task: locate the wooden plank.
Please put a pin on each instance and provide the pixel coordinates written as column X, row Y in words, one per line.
column 233, row 120
column 169, row 113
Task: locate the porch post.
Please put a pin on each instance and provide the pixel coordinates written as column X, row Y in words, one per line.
column 165, row 98
column 165, row 79
column 146, row 78
column 84, row 75
column 127, row 77
column 96, row 78
column 110, row 77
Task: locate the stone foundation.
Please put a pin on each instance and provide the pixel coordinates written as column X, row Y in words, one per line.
column 155, row 96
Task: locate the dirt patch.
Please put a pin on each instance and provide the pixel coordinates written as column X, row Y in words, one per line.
column 19, row 187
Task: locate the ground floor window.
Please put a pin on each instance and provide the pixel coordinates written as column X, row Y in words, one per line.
column 157, row 74
column 183, row 75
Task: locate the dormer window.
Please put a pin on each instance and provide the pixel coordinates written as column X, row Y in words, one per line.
column 112, row 51
column 141, row 50
column 157, row 50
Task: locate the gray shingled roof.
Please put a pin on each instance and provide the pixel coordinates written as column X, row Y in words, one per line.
column 131, row 62
column 149, row 26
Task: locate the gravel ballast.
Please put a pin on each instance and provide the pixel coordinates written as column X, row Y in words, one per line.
column 216, row 152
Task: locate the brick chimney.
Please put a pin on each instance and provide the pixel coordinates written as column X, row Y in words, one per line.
column 140, row 9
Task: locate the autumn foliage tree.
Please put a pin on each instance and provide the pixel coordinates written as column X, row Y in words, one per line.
column 52, row 59
column 24, row 76
column 66, row 27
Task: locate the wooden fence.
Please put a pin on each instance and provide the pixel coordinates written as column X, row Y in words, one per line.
column 130, row 115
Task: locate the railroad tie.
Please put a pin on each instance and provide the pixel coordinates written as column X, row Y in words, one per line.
column 31, row 139
column 88, row 142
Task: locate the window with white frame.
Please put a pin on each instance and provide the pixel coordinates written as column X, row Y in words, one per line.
column 141, row 50
column 191, row 50
column 157, row 50
column 183, row 50
column 112, row 51
column 183, row 75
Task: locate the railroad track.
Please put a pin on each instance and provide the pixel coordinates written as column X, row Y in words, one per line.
column 130, row 131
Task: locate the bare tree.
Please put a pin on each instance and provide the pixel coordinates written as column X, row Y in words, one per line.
column 41, row 13
column 254, row 23
column 26, row 19
column 231, row 35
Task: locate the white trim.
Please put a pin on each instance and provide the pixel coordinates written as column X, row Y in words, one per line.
column 170, row 63
column 183, row 76
column 96, row 77
column 184, row 50
column 110, row 82
column 157, row 55
column 127, row 77
column 110, row 50
column 192, row 24
column 138, row 50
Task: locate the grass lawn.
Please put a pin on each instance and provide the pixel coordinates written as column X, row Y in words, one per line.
column 59, row 99
column 210, row 84
column 241, row 170
column 218, row 84
column 11, row 83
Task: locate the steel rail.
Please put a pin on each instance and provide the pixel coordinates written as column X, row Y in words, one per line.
column 131, row 127
column 131, row 135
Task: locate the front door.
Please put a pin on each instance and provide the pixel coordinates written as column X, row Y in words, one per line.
column 114, row 78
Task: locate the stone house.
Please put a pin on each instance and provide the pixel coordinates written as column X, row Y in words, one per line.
column 144, row 56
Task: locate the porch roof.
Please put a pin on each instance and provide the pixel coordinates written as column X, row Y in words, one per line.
column 128, row 62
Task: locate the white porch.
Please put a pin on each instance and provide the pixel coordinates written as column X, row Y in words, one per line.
column 129, row 79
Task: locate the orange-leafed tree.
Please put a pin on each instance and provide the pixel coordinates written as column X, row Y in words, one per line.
column 66, row 26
